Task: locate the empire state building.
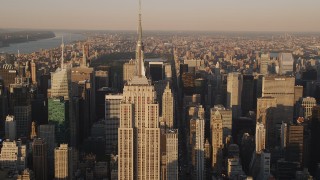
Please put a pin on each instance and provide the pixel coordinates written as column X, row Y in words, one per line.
column 139, row 132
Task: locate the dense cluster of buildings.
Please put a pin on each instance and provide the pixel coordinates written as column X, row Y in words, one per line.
column 217, row 107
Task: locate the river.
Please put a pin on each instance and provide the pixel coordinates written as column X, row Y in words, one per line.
column 33, row 46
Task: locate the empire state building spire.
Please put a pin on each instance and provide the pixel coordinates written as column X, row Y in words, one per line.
column 140, row 48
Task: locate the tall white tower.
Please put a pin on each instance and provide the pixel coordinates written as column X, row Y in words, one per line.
column 139, row 132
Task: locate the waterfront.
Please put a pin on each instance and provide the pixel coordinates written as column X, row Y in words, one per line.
column 33, row 46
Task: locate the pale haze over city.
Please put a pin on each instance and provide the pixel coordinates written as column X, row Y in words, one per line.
column 203, row 15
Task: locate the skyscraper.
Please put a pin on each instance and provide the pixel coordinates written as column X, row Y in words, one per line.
column 60, row 80
column 260, row 137
column 139, row 132
column 10, row 128
column 265, row 58
column 307, row 104
column 285, row 63
column 33, row 72
column 168, row 107
column 63, row 162
column 217, row 141
column 294, row 150
column 112, row 119
column 226, row 120
column 266, row 115
column 13, row 155
column 22, row 115
column 47, row 133
column 40, row 166
column 247, row 94
column 172, row 154
column 3, row 104
column 281, row 88
column 234, row 91
column 198, row 148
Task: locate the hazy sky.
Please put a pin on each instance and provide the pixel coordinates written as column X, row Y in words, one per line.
column 208, row 15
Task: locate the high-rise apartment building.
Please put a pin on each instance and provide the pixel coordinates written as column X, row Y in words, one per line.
column 47, row 133
column 112, row 119
column 33, row 72
column 26, row 174
column 247, row 94
column 39, row 153
column 281, row 88
column 22, row 115
column 285, row 63
column 8, row 76
column 306, row 105
column 3, row 105
column 10, row 128
column 234, row 91
column 63, row 162
column 294, row 150
column 172, row 167
column 13, row 155
column 266, row 115
column 260, row 137
column 198, row 148
column 195, row 112
column 168, row 107
column 265, row 58
column 216, row 140
column 139, row 132
column 226, row 120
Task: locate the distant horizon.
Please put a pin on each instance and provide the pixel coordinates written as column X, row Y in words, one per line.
column 164, row 15
column 151, row 30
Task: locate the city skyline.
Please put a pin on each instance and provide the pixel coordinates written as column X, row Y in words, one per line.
column 203, row 15
column 164, row 105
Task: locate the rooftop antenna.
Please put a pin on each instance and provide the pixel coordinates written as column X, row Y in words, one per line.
column 139, row 51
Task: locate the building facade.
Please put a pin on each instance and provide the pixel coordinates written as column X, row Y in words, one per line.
column 168, row 107
column 40, row 163
column 260, row 137
column 172, row 167
column 63, row 162
column 234, row 91
column 112, row 119
column 216, row 140
column 10, row 128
